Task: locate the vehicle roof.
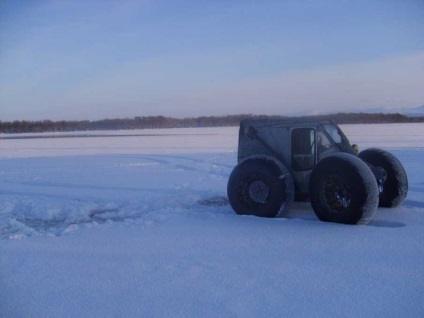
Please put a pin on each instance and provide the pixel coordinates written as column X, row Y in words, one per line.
column 284, row 122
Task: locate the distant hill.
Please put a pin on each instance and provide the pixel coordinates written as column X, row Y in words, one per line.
column 411, row 112
column 158, row 122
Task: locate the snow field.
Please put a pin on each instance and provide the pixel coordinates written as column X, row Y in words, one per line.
column 139, row 227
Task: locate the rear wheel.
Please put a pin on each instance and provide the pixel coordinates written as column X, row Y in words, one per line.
column 260, row 186
column 392, row 180
column 343, row 189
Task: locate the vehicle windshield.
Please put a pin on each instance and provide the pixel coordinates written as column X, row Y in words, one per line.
column 334, row 133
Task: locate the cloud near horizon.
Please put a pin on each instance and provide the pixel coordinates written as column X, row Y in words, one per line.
column 122, row 92
column 391, row 82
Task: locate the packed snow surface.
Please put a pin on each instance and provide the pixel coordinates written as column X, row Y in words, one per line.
column 138, row 225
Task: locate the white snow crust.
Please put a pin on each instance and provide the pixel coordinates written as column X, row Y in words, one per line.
column 139, row 226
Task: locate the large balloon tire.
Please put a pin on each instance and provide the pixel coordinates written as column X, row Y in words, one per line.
column 260, row 186
column 343, row 189
column 395, row 188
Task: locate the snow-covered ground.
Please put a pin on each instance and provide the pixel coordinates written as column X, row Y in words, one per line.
column 138, row 226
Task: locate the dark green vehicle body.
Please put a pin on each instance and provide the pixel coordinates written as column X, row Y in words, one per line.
column 299, row 145
column 280, row 160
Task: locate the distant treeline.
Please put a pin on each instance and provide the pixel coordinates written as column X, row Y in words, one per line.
column 156, row 122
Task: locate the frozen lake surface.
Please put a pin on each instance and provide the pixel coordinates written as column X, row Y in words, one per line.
column 137, row 225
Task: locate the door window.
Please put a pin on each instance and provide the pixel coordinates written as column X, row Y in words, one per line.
column 303, row 148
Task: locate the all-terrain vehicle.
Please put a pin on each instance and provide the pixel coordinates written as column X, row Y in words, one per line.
column 282, row 160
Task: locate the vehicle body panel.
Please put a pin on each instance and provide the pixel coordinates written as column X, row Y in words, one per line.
column 298, row 144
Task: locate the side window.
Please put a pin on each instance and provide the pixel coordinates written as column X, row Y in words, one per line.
column 323, row 142
column 334, row 133
column 303, row 148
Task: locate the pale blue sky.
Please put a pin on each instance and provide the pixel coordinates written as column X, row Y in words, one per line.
column 101, row 59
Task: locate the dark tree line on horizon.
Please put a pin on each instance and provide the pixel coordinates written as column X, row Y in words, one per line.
column 158, row 122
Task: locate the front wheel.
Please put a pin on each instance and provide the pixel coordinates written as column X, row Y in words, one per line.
column 393, row 182
column 343, row 190
column 260, row 186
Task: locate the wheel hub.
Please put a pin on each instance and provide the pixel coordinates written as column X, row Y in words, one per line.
column 259, row 191
column 342, row 200
column 336, row 193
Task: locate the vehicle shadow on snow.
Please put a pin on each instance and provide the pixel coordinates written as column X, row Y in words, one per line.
column 413, row 204
column 387, row 224
column 299, row 211
column 304, row 211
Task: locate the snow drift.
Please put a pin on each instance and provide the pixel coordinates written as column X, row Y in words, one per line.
column 140, row 227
